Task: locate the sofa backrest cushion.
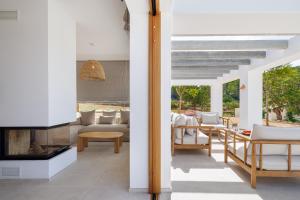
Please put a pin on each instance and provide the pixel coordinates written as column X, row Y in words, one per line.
column 109, row 113
column 125, row 115
column 88, row 118
column 210, row 118
column 173, row 117
column 276, row 133
column 106, row 119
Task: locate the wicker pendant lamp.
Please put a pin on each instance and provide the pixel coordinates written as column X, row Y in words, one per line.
column 92, row 70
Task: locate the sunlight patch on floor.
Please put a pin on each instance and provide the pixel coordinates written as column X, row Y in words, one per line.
column 214, row 196
column 207, row 175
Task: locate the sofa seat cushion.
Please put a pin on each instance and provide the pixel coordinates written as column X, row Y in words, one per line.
column 269, row 162
column 216, row 126
column 188, row 139
column 105, row 128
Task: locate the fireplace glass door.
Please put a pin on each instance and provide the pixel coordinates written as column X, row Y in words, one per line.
column 35, row 143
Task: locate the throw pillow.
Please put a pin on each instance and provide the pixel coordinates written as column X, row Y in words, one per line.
column 110, row 113
column 125, row 115
column 191, row 121
column 88, row 118
column 210, row 118
column 106, row 119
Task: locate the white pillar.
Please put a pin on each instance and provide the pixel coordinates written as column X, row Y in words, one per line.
column 166, row 21
column 216, row 98
column 251, row 97
column 139, row 109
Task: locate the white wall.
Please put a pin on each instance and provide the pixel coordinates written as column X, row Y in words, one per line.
column 37, row 59
column 216, row 98
column 166, row 31
column 139, row 109
column 23, row 65
column 251, row 98
column 61, row 64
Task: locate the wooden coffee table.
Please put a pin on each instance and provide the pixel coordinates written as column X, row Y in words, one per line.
column 84, row 137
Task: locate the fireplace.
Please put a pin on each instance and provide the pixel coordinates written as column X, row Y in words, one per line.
column 33, row 143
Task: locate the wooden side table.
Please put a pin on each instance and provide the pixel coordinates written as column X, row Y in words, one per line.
column 84, row 137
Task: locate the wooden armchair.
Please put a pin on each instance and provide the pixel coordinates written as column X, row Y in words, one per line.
column 267, row 153
column 200, row 140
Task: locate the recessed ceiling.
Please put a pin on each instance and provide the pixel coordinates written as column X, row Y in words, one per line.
column 100, row 29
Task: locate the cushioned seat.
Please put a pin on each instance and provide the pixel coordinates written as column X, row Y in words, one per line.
column 217, row 126
column 270, row 162
column 188, row 139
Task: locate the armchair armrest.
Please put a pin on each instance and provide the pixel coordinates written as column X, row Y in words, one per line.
column 236, row 137
column 225, row 121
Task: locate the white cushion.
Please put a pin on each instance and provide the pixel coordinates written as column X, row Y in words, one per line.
column 239, row 149
column 180, row 120
column 295, row 163
column 210, row 118
column 188, row 139
column 174, row 116
column 216, row 126
column 191, row 121
column 269, row 162
column 276, row 133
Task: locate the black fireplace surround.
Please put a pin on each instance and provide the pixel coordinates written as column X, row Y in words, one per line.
column 33, row 143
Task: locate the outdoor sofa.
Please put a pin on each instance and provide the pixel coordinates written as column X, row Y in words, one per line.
column 268, row 152
column 186, row 133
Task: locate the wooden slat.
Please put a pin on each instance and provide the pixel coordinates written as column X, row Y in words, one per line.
column 245, row 152
column 289, row 157
column 253, row 166
column 260, row 156
column 154, row 101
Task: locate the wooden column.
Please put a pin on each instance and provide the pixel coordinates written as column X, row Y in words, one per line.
column 154, row 99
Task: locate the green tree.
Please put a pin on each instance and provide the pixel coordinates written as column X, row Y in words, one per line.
column 282, row 90
column 198, row 96
column 231, row 96
column 180, row 90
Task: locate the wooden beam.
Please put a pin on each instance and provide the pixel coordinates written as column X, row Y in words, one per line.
column 154, row 101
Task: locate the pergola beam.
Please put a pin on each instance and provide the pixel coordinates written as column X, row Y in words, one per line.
column 194, row 78
column 200, row 71
column 211, row 62
column 197, row 55
column 229, row 45
column 223, row 67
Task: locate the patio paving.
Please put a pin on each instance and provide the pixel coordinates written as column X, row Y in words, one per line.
column 195, row 176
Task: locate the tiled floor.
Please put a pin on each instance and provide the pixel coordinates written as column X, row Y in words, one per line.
column 98, row 174
column 101, row 174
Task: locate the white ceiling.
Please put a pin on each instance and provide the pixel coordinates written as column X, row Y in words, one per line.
column 100, row 32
